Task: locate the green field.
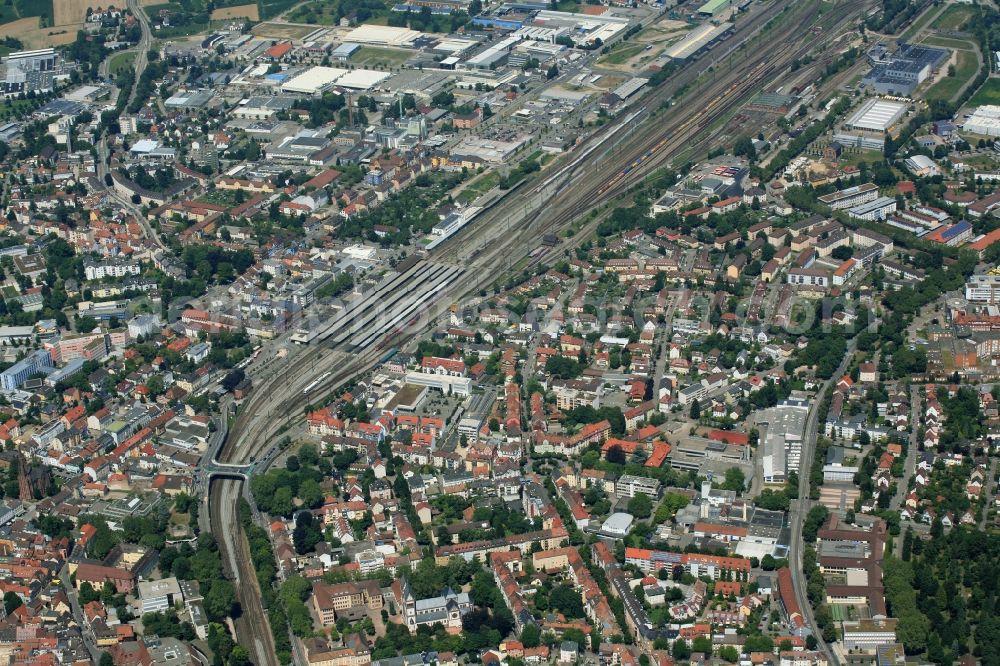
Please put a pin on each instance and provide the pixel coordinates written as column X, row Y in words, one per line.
column 620, row 55
column 856, row 157
column 953, row 18
column 120, row 62
column 988, row 94
column 369, row 56
column 948, row 87
column 949, row 43
column 12, row 108
column 11, row 10
column 478, row 187
column 219, row 197
column 271, row 8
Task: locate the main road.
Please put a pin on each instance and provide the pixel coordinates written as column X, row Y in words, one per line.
column 648, row 136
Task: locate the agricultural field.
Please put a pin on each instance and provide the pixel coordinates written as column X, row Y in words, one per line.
column 29, row 32
column 71, row 12
column 19, row 9
column 41, row 23
column 251, row 11
column 329, row 12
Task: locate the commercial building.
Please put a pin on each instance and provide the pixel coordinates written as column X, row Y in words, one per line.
column 314, row 80
column 782, row 446
column 630, row 486
column 921, row 165
column 876, row 115
column 984, row 120
column 38, row 362
column 159, row 595
column 30, row 71
column 714, row 7
column 383, row 35
column 870, row 124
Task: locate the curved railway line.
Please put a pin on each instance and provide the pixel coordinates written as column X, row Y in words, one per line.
column 599, row 174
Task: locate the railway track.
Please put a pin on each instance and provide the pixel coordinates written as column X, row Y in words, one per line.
column 224, row 494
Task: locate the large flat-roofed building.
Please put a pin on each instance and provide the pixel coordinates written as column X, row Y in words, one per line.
column 159, row 595
column 695, row 42
column 35, row 363
column 984, row 120
column 714, row 7
column 869, row 634
column 876, row 115
column 30, row 71
column 618, row 525
column 901, row 72
column 630, row 486
column 870, row 124
column 383, row 35
column 314, row 80
column 782, row 447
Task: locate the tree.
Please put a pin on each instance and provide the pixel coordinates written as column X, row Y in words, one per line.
column 220, row 599
column 681, row 650
column 640, row 506
column 233, row 379
column 552, row 73
column 531, row 636
column 106, row 659
column 240, row 657
column 567, row 601
column 759, row 643
column 814, row 520
column 616, row 455
column 735, row 479
column 702, row 644
column 695, row 409
column 744, row 147
column 729, row 653
column 11, row 602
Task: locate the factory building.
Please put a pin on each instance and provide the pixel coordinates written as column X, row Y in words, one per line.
column 871, row 123
column 984, row 120
column 901, row 72
column 30, row 71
